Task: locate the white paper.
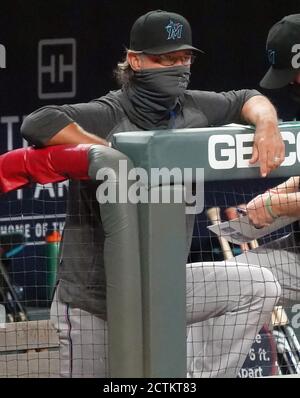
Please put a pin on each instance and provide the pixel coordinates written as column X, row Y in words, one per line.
column 240, row 230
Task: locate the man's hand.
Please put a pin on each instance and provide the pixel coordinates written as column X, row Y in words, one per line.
column 265, row 208
column 268, row 148
column 257, row 211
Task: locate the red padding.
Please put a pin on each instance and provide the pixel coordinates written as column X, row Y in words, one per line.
column 47, row 165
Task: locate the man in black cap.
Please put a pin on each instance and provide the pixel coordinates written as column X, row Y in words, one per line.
column 283, row 76
column 282, row 256
column 283, row 50
column 154, row 78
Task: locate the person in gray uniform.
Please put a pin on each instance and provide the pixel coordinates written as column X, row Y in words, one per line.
column 154, row 78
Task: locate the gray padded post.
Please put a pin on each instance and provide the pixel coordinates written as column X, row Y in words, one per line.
column 122, row 267
column 163, row 248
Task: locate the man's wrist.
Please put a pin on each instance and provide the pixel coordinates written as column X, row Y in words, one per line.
column 270, row 210
column 267, row 125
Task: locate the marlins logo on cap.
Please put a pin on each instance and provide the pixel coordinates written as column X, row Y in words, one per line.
column 174, row 30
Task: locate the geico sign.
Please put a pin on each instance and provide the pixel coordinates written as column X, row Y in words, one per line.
column 233, row 151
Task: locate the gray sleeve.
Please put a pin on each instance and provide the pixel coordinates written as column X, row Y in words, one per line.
column 223, row 108
column 40, row 126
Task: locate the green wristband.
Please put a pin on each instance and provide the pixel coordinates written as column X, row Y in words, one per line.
column 268, row 205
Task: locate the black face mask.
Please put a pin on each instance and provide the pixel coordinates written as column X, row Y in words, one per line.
column 153, row 94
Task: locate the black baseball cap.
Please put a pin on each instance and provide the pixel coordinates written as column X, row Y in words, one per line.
column 159, row 32
column 280, row 42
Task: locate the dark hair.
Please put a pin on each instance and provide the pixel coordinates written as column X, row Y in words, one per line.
column 123, row 73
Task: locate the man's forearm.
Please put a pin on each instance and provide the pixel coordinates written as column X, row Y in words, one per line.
column 289, row 186
column 268, row 146
column 286, row 204
column 259, row 110
column 74, row 134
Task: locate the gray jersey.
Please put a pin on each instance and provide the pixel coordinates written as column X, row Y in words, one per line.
column 81, row 272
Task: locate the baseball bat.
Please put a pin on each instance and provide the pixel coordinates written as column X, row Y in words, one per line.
column 214, row 216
